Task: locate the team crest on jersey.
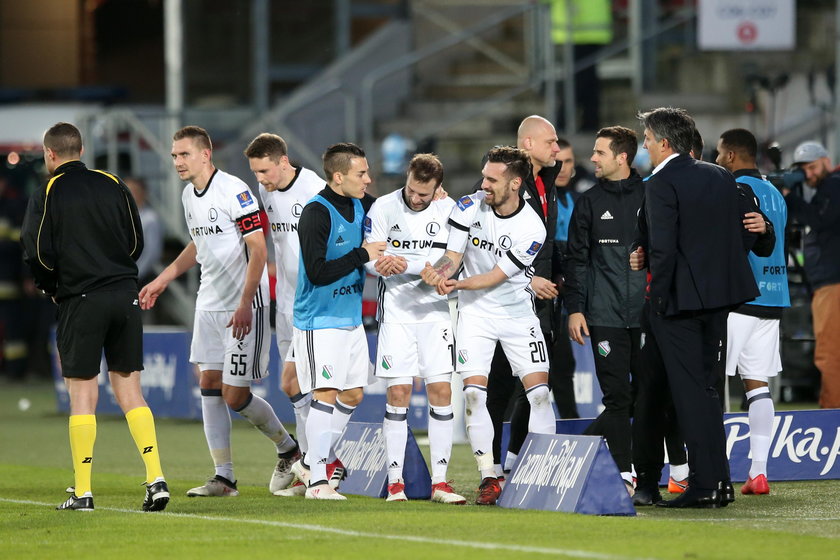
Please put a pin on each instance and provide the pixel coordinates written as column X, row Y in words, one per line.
column 297, row 209
column 534, row 248
column 464, row 202
column 244, row 199
column 213, row 215
column 462, row 357
column 387, row 362
column 327, row 372
column 432, row 228
column 505, row 243
column 367, row 224
column 604, row 348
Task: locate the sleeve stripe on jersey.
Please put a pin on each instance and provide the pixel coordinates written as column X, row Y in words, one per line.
column 514, row 260
column 249, row 223
column 456, row 225
column 438, row 245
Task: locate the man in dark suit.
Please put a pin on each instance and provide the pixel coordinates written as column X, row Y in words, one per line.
column 699, row 271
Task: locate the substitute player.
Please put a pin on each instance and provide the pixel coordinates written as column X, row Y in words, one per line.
column 329, row 340
column 284, row 190
column 497, row 235
column 415, row 328
column 752, row 348
column 231, row 335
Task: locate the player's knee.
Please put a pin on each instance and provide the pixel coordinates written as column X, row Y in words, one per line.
column 351, row 397
column 538, row 396
column 474, row 397
column 399, row 395
column 440, row 394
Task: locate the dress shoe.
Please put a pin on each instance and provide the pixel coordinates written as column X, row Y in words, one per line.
column 693, row 498
column 646, row 497
column 727, row 492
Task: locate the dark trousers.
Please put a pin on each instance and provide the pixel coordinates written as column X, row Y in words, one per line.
column 654, row 416
column 617, row 355
column 690, row 344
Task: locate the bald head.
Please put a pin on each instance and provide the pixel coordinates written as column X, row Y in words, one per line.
column 537, row 137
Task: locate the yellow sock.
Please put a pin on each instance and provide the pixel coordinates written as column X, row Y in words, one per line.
column 141, row 423
column 82, row 437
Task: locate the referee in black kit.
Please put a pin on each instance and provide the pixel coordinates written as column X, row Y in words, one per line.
column 81, row 237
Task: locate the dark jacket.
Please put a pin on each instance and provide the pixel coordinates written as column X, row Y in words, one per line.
column 822, row 242
column 695, row 239
column 599, row 282
column 82, row 233
column 543, row 262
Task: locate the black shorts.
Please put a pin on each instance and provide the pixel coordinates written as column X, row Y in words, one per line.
column 91, row 323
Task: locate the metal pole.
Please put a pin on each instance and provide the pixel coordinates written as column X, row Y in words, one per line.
column 569, row 109
column 174, row 57
column 342, row 27
column 635, row 46
column 259, row 53
column 546, row 44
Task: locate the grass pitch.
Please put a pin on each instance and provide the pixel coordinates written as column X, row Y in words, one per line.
column 800, row 519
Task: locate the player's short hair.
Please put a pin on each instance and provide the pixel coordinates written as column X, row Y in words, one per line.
column 337, row 158
column 267, row 145
column 198, row 135
column 740, row 141
column 697, row 144
column 622, row 141
column 672, row 124
column 64, row 139
column 562, row 143
column 517, row 161
column 425, row 168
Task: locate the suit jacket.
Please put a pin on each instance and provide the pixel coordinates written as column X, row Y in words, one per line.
column 695, row 239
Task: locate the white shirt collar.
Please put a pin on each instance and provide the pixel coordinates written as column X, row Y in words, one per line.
column 661, row 165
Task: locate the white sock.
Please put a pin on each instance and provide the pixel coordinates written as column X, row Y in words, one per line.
column 395, row 428
column 319, row 434
column 215, row 416
column 258, row 412
column 440, row 440
column 542, row 420
column 678, row 472
column 300, row 402
column 510, row 459
column 480, row 428
column 340, row 419
column 760, row 414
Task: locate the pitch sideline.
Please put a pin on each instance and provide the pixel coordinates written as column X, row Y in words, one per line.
column 360, row 534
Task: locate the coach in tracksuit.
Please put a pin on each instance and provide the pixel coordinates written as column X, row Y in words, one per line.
column 603, row 296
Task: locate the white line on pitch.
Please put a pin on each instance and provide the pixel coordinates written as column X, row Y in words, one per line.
column 363, row 535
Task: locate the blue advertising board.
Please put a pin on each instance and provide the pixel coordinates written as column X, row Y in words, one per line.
column 361, row 449
column 574, row 474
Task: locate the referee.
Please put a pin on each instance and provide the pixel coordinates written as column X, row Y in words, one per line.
column 81, row 237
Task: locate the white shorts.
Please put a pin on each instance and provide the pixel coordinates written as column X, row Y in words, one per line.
column 241, row 361
column 331, row 358
column 414, row 349
column 283, row 330
column 521, row 338
column 752, row 345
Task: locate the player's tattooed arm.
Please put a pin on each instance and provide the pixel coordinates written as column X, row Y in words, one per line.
column 444, row 268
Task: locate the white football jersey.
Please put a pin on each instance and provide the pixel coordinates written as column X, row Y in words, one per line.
column 283, row 208
column 218, row 218
column 486, row 240
column 419, row 237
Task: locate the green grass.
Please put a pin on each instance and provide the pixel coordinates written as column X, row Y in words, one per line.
column 798, row 519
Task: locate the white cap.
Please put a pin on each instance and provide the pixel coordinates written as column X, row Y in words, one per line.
column 807, row 152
